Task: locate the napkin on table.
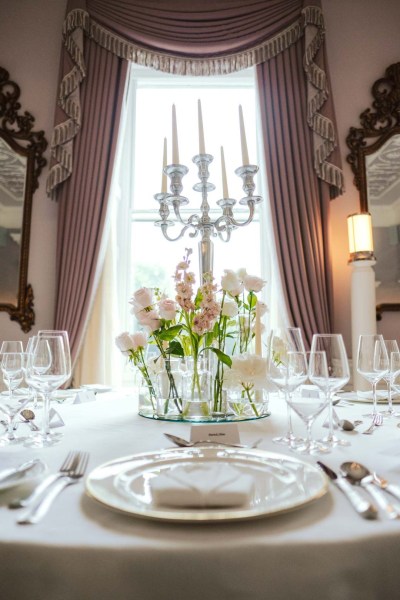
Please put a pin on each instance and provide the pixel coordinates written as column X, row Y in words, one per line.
column 202, row 486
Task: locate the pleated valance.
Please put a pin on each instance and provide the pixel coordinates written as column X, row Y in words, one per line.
column 200, row 38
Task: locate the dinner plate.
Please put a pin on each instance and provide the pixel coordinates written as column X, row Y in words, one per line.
column 29, row 476
column 281, row 483
column 367, row 397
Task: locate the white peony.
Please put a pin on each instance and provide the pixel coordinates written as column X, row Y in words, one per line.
column 262, row 308
column 252, row 283
column 247, row 371
column 231, row 283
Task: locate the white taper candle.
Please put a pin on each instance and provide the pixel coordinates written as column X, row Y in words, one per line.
column 202, row 147
column 245, row 154
column 175, row 147
column 225, row 192
column 164, row 177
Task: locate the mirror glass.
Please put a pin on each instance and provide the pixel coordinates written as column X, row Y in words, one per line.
column 12, row 194
column 21, row 162
column 383, row 195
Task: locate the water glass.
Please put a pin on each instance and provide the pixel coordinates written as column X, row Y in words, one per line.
column 391, row 346
column 372, row 363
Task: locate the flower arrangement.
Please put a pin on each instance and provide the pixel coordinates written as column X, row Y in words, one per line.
column 207, row 327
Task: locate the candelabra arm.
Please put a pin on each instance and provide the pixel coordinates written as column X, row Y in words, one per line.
column 164, row 229
column 249, row 219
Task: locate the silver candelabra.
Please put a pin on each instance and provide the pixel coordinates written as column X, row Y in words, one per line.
column 222, row 226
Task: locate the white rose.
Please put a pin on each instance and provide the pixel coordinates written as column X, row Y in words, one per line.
column 229, row 309
column 231, row 283
column 143, row 296
column 248, row 370
column 241, row 273
column 124, row 341
column 253, row 283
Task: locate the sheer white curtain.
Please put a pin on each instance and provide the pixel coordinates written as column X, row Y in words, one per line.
column 100, row 361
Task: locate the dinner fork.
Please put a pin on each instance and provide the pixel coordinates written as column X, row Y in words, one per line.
column 73, row 475
column 377, row 420
column 68, row 464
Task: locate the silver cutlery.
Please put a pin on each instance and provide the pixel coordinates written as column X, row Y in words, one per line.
column 366, row 509
column 178, row 441
column 377, row 421
column 24, row 468
column 360, row 475
column 37, row 511
column 390, row 488
column 68, row 464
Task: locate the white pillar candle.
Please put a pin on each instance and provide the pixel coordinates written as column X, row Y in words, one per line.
column 245, row 154
column 225, row 193
column 257, row 331
column 175, row 147
column 202, row 147
column 164, row 177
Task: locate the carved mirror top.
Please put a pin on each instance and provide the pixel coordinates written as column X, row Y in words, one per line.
column 21, row 162
column 378, row 124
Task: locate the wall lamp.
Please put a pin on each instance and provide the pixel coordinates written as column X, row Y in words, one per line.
column 361, row 243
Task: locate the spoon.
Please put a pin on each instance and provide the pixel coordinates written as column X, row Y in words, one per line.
column 186, row 444
column 28, row 416
column 357, row 474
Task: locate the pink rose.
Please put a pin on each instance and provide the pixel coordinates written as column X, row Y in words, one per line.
column 124, row 341
column 143, row 297
column 167, row 309
column 149, row 319
column 139, row 340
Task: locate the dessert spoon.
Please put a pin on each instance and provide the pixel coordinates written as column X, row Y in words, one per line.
column 187, row 444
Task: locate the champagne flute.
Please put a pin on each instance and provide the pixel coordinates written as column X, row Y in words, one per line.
column 47, row 370
column 310, row 403
column 391, row 346
column 338, row 374
column 283, row 341
column 372, row 363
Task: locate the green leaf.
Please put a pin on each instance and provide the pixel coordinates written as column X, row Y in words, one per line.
column 169, row 334
column 252, row 299
column 175, row 348
column 224, row 358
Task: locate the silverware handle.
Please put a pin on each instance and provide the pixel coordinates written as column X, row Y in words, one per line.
column 393, row 489
column 360, row 504
column 381, row 500
column 40, row 508
column 29, row 500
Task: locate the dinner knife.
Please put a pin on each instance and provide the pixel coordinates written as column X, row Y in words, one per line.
column 364, row 508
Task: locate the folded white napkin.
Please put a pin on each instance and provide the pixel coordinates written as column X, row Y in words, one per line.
column 202, row 486
column 55, row 419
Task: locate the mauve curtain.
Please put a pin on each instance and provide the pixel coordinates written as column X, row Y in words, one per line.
column 202, row 37
column 83, row 198
column 299, row 202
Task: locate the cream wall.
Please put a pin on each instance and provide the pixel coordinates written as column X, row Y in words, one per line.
column 362, row 37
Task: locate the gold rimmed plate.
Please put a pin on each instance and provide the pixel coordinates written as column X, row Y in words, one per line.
column 281, row 483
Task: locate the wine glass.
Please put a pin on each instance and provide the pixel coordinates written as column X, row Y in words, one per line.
column 308, row 404
column 65, row 337
column 10, row 346
column 372, row 363
column 11, row 405
column 281, row 342
column 47, row 369
column 338, row 374
column 391, row 346
column 395, row 371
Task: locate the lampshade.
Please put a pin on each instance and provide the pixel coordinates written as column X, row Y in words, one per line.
column 361, row 243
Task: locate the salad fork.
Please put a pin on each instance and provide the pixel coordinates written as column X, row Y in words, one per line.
column 73, row 475
column 377, row 420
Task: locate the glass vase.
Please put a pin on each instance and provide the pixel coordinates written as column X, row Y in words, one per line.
column 244, row 333
column 251, row 404
column 196, row 390
column 168, row 386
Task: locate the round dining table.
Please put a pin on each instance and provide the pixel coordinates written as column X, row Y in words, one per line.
column 84, row 549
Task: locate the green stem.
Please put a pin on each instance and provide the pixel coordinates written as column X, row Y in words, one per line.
column 248, row 394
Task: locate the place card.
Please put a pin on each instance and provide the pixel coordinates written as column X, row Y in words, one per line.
column 228, row 433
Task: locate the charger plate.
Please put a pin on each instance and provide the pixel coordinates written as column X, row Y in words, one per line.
column 281, row 483
column 367, row 397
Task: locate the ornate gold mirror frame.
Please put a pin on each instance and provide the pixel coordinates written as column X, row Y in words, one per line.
column 21, row 161
column 379, row 126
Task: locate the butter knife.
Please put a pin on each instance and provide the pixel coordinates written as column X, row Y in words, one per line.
column 22, row 469
column 364, row 508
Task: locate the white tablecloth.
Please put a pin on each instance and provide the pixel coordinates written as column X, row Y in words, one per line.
column 83, row 550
